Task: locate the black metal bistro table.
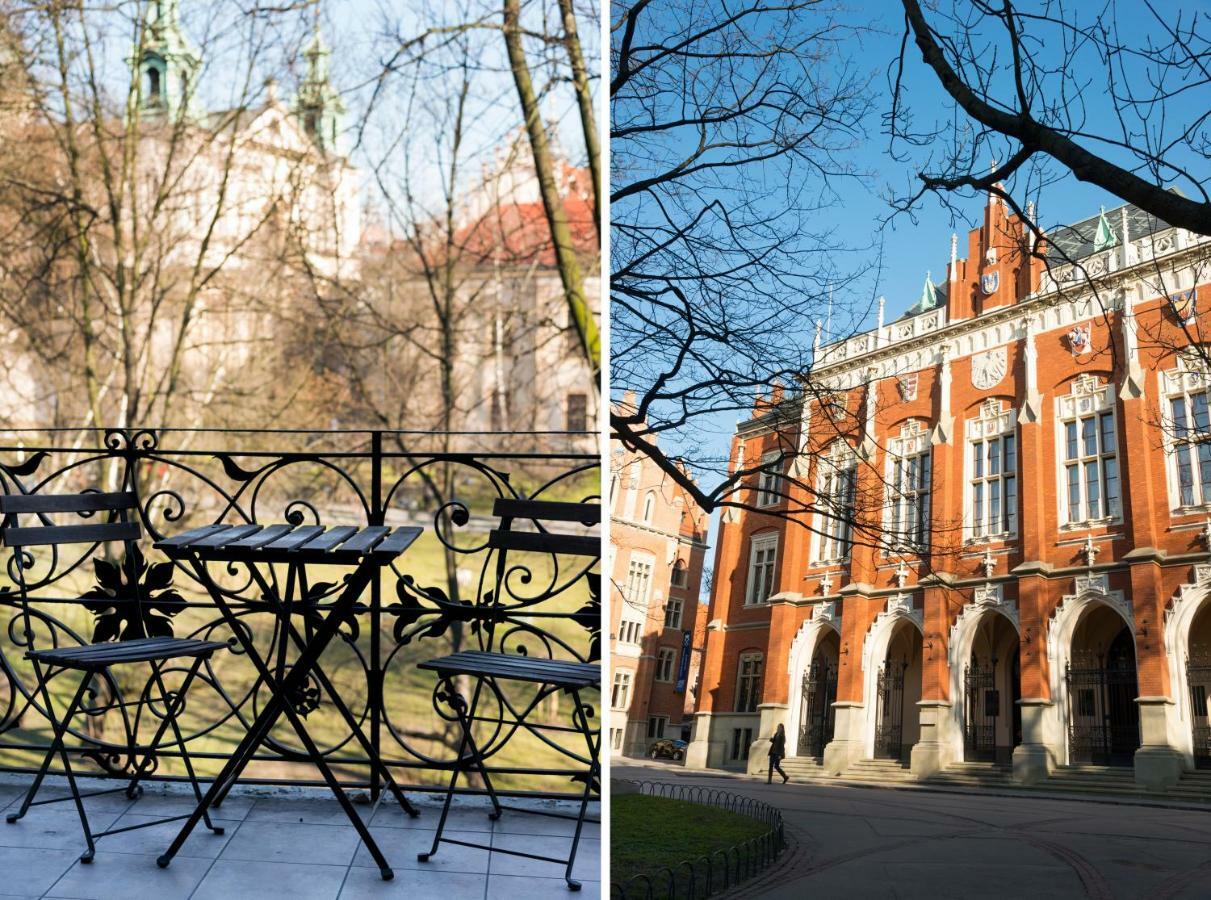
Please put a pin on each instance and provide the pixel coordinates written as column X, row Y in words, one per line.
column 366, row 551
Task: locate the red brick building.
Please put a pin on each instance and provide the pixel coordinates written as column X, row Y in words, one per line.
column 658, row 545
column 1037, row 437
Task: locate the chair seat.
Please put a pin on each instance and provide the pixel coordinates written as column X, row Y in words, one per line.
column 98, row 656
column 515, row 667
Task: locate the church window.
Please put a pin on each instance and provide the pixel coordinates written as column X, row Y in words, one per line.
column 835, row 497
column 909, row 459
column 1187, row 430
column 992, row 486
column 1089, row 478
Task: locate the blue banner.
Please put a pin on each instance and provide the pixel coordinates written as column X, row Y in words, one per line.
column 683, row 667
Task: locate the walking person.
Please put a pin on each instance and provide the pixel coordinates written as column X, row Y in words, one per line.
column 777, row 753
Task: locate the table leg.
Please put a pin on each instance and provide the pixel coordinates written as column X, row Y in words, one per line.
column 282, row 690
column 376, row 764
column 581, row 719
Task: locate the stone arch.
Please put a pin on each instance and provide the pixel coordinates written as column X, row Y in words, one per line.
column 1189, row 600
column 1089, row 591
column 823, row 621
column 987, row 600
column 874, row 649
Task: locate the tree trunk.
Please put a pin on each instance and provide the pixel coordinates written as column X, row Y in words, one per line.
column 544, row 167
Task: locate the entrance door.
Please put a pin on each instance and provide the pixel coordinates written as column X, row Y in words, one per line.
column 983, row 710
column 816, row 714
column 1198, row 676
column 889, row 714
column 1103, row 719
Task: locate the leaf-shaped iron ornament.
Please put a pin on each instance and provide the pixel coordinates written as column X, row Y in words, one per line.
column 29, row 467
column 119, row 616
column 234, row 470
column 589, row 616
column 410, row 609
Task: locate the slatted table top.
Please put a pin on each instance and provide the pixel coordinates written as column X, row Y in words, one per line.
column 516, row 667
column 291, row 543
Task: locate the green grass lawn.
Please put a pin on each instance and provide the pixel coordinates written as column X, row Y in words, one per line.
column 649, row 832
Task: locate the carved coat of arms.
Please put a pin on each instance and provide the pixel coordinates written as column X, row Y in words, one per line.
column 990, row 281
column 1079, row 340
column 1183, row 305
column 907, row 386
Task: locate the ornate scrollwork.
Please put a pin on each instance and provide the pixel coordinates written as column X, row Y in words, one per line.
column 439, row 597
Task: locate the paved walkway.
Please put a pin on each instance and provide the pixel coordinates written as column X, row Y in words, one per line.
column 856, row 842
column 295, row 847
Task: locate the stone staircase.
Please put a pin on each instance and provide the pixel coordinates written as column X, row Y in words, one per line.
column 804, row 768
column 1086, row 779
column 974, row 775
column 1195, row 786
column 878, row 771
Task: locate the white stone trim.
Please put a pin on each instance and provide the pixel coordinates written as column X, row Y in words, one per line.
column 874, row 647
column 986, row 599
column 1179, row 616
column 1088, row 590
column 803, row 648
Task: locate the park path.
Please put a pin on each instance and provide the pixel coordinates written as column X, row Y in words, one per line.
column 859, row 842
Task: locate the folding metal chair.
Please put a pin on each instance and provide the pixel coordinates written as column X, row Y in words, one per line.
column 92, row 660
column 489, row 667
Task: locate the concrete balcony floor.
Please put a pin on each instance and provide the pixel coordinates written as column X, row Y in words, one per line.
column 293, row 844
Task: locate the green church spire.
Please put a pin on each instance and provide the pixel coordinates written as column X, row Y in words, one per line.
column 317, row 105
column 167, row 66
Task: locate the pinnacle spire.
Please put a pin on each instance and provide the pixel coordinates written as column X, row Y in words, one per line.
column 317, row 103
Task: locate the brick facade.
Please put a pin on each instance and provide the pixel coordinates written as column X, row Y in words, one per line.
column 657, row 626
column 1031, row 628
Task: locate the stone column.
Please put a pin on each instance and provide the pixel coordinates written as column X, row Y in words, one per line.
column 1038, row 754
column 1158, row 764
column 933, row 750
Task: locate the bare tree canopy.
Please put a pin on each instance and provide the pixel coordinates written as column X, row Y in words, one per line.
column 1133, row 121
column 730, row 128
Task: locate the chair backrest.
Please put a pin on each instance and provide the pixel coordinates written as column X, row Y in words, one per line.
column 505, row 539
column 39, row 530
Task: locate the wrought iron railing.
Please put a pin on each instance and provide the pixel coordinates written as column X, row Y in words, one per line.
column 722, row 869
column 427, row 604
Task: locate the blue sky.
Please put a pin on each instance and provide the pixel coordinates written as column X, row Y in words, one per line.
column 912, row 245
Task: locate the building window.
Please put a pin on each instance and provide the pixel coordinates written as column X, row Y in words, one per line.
column 577, row 412
column 762, row 560
column 153, row 83
column 908, row 505
column 666, row 663
column 769, row 479
column 1188, row 431
column 649, row 507
column 681, row 575
column 639, row 580
column 616, row 738
column 621, row 695
column 741, row 739
column 629, row 632
column 1090, row 477
column 835, row 502
column 992, row 487
column 672, row 613
column 748, row 682
column 656, row 725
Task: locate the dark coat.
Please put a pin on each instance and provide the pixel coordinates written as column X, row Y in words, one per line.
column 777, row 746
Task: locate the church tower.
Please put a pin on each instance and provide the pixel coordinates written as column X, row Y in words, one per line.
column 167, row 65
column 317, row 105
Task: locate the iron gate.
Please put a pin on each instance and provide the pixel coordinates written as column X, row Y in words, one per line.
column 816, row 714
column 983, row 709
column 1198, row 676
column 889, row 715
column 1103, row 721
